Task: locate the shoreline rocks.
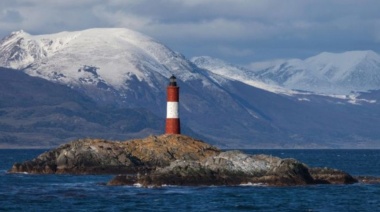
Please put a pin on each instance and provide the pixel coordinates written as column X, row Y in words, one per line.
column 98, row 156
column 236, row 168
column 331, row 176
column 177, row 160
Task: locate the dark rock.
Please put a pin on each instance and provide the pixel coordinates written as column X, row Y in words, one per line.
column 368, row 179
column 331, row 176
column 123, row 180
column 288, row 172
column 228, row 168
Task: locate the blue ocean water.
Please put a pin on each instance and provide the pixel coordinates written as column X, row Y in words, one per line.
column 27, row 192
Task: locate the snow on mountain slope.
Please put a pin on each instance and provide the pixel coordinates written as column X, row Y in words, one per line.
column 93, row 56
column 327, row 73
column 234, row 72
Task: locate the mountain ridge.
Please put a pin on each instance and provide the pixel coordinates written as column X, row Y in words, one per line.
column 112, row 73
column 326, row 73
column 329, row 73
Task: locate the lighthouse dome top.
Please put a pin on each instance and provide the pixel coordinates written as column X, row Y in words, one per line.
column 173, row 81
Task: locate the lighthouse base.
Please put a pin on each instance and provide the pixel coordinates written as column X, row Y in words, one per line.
column 172, row 126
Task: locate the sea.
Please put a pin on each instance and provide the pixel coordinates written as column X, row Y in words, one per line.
column 31, row 192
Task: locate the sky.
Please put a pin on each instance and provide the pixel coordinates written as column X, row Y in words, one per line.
column 237, row 31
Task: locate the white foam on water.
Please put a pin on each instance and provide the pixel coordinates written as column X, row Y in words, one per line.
column 252, row 184
column 138, row 185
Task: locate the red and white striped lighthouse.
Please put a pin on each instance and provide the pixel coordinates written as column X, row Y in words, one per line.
column 172, row 112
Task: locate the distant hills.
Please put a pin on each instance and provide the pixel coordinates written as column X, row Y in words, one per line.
column 111, row 83
column 326, row 73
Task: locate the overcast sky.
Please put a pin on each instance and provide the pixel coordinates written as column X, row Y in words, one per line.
column 238, row 31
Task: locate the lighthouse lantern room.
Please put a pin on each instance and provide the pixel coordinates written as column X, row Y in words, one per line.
column 172, row 112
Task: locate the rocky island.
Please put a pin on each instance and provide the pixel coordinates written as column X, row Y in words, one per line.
column 176, row 160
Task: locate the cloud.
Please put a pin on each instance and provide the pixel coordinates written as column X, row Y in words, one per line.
column 236, row 52
column 119, row 18
column 10, row 16
column 237, row 30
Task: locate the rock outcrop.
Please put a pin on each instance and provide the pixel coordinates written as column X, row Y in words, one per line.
column 235, row 168
column 96, row 156
column 175, row 160
column 331, row 176
column 226, row 168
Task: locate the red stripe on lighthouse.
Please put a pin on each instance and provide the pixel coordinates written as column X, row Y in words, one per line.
column 173, row 94
column 172, row 110
column 172, row 126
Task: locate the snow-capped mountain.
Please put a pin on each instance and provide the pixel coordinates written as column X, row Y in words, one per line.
column 110, row 61
column 327, row 73
column 120, row 68
column 89, row 56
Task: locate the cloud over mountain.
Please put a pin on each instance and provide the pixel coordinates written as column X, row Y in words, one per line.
column 261, row 29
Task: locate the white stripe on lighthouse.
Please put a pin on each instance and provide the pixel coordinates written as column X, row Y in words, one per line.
column 172, row 110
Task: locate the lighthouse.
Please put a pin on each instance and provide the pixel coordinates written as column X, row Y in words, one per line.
column 172, row 113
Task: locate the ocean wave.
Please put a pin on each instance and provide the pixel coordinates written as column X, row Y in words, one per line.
column 6, row 172
column 252, row 184
column 138, row 185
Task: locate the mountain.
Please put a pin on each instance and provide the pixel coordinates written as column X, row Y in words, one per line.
column 238, row 73
column 103, row 60
column 125, row 69
column 118, row 70
column 37, row 113
column 326, row 73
